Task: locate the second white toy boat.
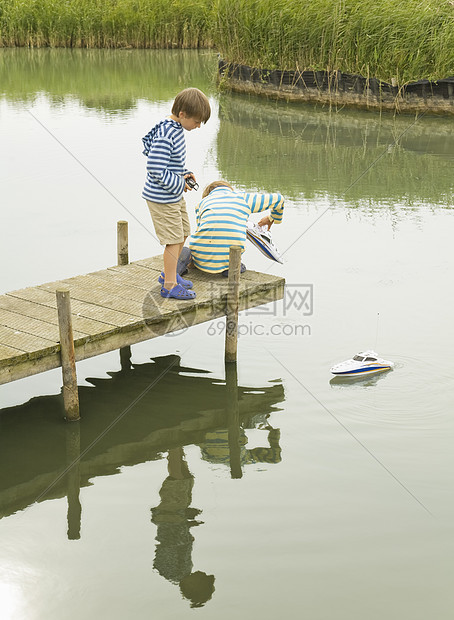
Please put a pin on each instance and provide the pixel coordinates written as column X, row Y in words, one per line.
column 364, row 363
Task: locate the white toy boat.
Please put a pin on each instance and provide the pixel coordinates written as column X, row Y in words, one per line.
column 364, row 363
column 260, row 236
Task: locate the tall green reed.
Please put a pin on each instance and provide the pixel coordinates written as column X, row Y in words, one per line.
column 407, row 40
column 105, row 23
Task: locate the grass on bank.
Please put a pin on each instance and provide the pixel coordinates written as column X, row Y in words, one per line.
column 407, row 40
column 105, row 23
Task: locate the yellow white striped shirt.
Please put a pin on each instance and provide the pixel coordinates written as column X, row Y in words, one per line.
column 221, row 222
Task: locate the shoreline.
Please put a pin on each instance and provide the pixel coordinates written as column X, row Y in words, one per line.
column 339, row 89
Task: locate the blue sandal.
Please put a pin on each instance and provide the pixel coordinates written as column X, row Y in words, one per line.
column 180, row 280
column 177, row 292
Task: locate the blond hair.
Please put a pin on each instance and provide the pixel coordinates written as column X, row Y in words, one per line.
column 193, row 103
column 209, row 188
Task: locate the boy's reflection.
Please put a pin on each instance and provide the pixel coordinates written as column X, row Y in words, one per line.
column 174, row 518
column 216, row 448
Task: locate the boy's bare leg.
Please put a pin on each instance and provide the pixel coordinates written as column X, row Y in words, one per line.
column 171, row 254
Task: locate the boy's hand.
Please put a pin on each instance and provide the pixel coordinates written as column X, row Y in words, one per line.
column 266, row 221
column 190, row 182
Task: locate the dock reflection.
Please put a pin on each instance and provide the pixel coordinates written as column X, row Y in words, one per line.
column 134, row 416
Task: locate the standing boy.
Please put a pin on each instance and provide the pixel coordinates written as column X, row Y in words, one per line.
column 165, row 149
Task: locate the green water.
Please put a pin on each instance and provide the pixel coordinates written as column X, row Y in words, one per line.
column 276, row 492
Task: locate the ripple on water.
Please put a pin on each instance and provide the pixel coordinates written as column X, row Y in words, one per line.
column 413, row 395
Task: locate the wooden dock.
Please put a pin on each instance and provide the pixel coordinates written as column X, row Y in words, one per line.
column 111, row 309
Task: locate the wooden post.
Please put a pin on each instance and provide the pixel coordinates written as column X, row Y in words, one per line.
column 68, row 360
column 231, row 319
column 122, row 243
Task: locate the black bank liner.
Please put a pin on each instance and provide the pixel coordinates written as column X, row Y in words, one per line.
column 337, row 82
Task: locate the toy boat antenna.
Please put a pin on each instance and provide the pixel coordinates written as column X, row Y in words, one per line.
column 376, row 332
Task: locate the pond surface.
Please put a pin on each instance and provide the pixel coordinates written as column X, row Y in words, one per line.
column 312, row 497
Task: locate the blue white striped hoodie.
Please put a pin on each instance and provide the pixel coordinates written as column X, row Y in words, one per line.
column 165, row 149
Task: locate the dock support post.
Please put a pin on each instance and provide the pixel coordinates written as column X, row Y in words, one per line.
column 68, row 360
column 123, row 259
column 122, row 243
column 233, row 293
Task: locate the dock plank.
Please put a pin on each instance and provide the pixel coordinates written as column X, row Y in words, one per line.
column 8, row 352
column 30, row 325
column 99, row 295
column 137, row 276
column 79, row 308
column 24, row 342
column 153, row 262
column 103, row 286
column 48, row 314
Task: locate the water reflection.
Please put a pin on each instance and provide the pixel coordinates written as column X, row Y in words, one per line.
column 228, row 446
column 74, row 514
column 314, row 151
column 167, row 407
column 358, row 382
column 107, row 81
column 174, row 517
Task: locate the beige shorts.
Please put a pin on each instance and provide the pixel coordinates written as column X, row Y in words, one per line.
column 170, row 220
